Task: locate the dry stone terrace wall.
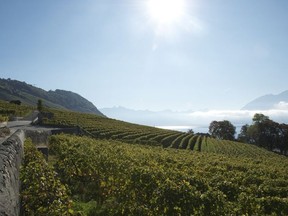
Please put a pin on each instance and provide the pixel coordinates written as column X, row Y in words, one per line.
column 11, row 153
column 38, row 137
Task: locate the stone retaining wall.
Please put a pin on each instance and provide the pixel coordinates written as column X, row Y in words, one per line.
column 11, row 153
column 3, row 124
column 38, row 137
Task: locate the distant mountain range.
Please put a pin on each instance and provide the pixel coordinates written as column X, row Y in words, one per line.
column 267, row 102
column 151, row 118
column 28, row 94
column 145, row 117
column 201, row 119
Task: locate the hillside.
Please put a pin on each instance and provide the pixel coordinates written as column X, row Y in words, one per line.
column 125, row 179
column 267, row 102
column 29, row 95
column 107, row 128
column 170, row 173
column 129, row 169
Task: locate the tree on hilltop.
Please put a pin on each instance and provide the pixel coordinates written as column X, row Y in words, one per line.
column 224, row 130
column 265, row 133
column 190, row 131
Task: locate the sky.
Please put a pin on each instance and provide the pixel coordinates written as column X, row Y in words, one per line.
column 148, row 54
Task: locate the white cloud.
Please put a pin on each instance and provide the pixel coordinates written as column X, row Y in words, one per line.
column 282, row 105
column 237, row 117
column 199, row 120
column 202, row 119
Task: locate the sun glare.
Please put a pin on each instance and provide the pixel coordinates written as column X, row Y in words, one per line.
column 165, row 11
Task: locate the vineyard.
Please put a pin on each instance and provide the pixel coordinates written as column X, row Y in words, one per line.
column 106, row 175
column 9, row 110
column 113, row 178
column 110, row 129
column 119, row 168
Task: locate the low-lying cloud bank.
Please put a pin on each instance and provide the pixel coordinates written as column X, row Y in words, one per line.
column 237, row 116
column 199, row 120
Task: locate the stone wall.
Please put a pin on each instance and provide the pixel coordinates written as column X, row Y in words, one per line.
column 38, row 137
column 11, row 153
column 3, row 124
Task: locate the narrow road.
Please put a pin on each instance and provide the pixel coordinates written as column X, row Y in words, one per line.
column 25, row 124
column 14, row 126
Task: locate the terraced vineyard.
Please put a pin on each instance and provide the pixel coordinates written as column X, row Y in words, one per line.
column 113, row 178
column 106, row 128
column 110, row 129
column 7, row 109
column 106, row 175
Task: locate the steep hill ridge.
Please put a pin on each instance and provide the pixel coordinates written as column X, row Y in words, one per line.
column 28, row 94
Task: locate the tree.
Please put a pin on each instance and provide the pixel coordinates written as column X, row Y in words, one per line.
column 283, row 142
column 260, row 118
column 17, row 102
column 222, row 130
column 39, row 105
column 265, row 133
column 243, row 135
column 190, row 131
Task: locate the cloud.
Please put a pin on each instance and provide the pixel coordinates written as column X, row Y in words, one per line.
column 238, row 117
column 199, row 121
column 282, row 105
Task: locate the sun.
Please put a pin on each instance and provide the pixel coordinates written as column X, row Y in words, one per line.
column 165, row 12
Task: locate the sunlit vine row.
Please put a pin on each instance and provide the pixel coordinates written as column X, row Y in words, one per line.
column 125, row 179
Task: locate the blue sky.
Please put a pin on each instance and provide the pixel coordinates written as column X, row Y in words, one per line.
column 220, row 54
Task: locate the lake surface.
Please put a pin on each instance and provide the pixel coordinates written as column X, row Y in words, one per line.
column 196, row 129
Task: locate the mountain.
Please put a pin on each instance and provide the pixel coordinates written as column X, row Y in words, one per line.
column 267, row 102
column 28, row 94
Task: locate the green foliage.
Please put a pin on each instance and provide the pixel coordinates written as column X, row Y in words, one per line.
column 225, row 178
column 3, row 118
column 39, row 105
column 266, row 133
column 259, row 118
column 7, row 109
column 192, row 141
column 222, row 130
column 190, row 131
column 105, row 128
column 42, row 192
